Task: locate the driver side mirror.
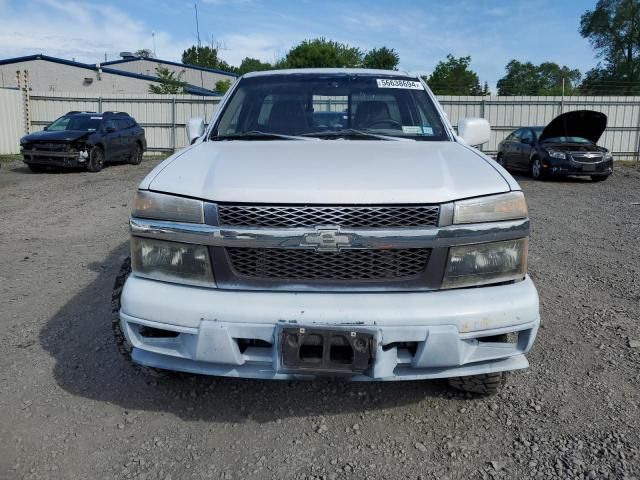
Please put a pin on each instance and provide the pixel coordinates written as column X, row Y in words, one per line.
column 195, row 129
column 46, row 127
column 526, row 140
column 474, row 131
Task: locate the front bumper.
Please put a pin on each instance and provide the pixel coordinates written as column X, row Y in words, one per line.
column 419, row 335
column 557, row 167
column 55, row 159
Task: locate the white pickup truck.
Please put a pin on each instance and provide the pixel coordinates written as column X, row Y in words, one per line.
column 330, row 222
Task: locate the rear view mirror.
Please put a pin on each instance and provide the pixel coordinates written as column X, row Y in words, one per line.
column 474, row 131
column 195, row 129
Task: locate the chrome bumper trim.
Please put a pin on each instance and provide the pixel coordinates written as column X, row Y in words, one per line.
column 432, row 237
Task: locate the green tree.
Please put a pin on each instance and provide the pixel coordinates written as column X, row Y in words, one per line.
column 223, row 85
column 544, row 79
column 169, row 82
column 453, row 77
column 319, row 52
column 252, row 65
column 201, row 56
column 143, row 53
column 383, row 58
column 613, row 29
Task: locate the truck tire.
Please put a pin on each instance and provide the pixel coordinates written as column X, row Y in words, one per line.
column 96, row 159
column 485, row 384
column 122, row 344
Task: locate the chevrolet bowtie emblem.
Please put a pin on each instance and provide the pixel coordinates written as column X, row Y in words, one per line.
column 329, row 240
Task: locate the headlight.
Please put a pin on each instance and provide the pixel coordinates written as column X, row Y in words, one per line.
column 493, row 208
column 171, row 261
column 608, row 156
column 167, row 207
column 557, row 154
column 472, row 265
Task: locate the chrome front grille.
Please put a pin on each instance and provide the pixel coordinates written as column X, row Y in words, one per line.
column 584, row 157
column 293, row 265
column 293, row 216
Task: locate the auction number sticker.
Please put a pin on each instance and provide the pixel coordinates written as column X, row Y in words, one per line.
column 391, row 83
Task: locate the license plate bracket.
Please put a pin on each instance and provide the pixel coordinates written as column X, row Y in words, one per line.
column 327, row 351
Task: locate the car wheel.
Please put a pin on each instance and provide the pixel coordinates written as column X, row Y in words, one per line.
column 500, row 160
column 96, row 159
column 599, row 178
column 122, row 344
column 535, row 168
column 36, row 168
column 135, row 157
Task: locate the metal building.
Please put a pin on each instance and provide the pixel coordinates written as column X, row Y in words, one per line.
column 51, row 74
column 201, row 77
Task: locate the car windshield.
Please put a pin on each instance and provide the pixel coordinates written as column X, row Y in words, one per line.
column 329, row 106
column 83, row 123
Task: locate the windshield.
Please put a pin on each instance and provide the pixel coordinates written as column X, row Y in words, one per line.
column 329, row 106
column 83, row 123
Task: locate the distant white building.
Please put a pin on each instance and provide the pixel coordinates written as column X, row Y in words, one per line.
column 198, row 76
column 124, row 76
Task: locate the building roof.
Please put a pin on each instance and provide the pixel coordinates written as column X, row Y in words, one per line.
column 167, row 62
column 192, row 89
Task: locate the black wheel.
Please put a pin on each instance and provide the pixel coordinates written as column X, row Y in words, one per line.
column 535, row 168
column 500, row 160
column 599, row 178
column 135, row 157
column 36, row 168
column 122, row 344
column 96, row 159
column 486, row 384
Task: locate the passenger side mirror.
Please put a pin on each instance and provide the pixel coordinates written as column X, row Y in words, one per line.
column 195, row 129
column 474, row 131
column 46, row 127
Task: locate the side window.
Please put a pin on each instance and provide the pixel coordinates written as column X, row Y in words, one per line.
column 122, row 123
column 109, row 124
column 526, row 133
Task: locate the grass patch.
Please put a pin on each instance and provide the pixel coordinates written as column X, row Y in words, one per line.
column 10, row 158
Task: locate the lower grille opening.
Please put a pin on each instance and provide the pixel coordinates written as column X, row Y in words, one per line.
column 340, row 351
column 245, row 343
column 151, row 332
column 312, row 348
column 411, row 347
column 511, row 337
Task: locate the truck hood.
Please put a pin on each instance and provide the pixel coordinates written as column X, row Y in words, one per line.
column 59, row 136
column 581, row 123
column 328, row 172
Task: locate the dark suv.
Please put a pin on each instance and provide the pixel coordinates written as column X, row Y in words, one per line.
column 85, row 139
column 566, row 146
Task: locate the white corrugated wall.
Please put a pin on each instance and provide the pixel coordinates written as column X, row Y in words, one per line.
column 11, row 121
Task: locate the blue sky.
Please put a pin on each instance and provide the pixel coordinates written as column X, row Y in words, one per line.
column 423, row 32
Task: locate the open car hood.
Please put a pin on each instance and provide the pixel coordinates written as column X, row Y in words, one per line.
column 580, row 123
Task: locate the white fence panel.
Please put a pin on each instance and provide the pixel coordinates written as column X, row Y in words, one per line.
column 11, row 120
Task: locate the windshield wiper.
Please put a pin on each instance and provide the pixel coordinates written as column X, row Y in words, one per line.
column 258, row 135
column 352, row 132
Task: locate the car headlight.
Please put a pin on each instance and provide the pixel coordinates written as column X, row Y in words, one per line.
column 484, row 263
column 557, row 154
column 608, row 156
column 171, row 261
column 160, row 206
column 492, row 208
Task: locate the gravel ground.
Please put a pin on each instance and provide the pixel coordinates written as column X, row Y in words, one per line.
column 71, row 407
